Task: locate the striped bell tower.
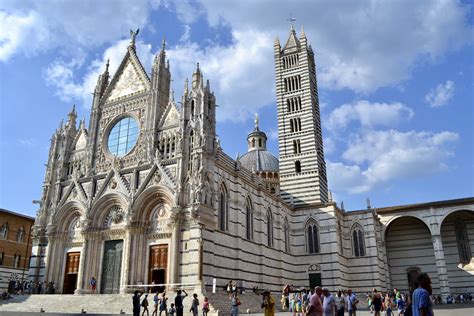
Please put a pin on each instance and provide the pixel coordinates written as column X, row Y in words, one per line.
column 303, row 179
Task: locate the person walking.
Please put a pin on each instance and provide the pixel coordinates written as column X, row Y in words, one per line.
column 156, row 303
column 194, row 305
column 163, row 304
column 352, row 302
column 145, row 305
column 340, row 303
column 136, row 303
column 205, row 306
column 234, row 307
column 329, row 305
column 93, row 284
column 315, row 306
column 376, row 302
column 178, row 302
column 268, row 303
column 421, row 303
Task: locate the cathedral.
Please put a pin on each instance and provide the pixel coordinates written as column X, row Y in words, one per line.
column 145, row 195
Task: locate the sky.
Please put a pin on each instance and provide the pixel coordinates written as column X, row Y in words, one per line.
column 395, row 80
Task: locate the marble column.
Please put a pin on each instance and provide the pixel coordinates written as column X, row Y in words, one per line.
column 126, row 267
column 174, row 253
column 80, row 273
column 441, row 266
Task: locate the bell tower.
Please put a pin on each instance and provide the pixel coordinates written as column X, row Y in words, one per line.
column 303, row 177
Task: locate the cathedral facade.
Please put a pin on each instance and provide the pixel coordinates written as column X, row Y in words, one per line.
column 146, row 195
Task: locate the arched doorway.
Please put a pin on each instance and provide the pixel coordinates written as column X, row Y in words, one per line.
column 457, row 233
column 410, row 252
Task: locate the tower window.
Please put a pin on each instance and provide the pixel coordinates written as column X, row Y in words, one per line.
column 296, row 146
column 298, row 166
column 249, row 220
column 222, row 215
column 260, row 142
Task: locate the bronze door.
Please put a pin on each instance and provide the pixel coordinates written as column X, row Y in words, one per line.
column 111, row 267
column 72, row 268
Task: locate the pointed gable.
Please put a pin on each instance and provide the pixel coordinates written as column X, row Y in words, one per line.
column 171, row 116
column 292, row 42
column 129, row 79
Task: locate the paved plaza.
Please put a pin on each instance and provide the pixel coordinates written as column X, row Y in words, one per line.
column 444, row 310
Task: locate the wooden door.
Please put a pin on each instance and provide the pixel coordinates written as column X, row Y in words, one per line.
column 158, row 265
column 72, row 268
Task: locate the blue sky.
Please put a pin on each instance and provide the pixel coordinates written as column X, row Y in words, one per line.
column 396, row 82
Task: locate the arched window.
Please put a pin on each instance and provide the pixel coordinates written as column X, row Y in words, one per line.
column 297, row 166
column 312, row 237
column 192, row 107
column 222, row 215
column 286, row 229
column 269, row 228
column 4, row 231
column 358, row 241
column 249, row 219
column 19, row 235
column 462, row 239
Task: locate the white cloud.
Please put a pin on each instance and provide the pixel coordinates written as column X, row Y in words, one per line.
column 61, row 74
column 368, row 115
column 186, row 34
column 30, row 27
column 360, row 45
column 441, row 94
column 377, row 157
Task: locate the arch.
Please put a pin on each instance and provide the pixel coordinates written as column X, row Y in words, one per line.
column 312, row 236
column 454, row 210
column 249, row 218
column 458, row 240
column 67, row 213
column 223, row 207
column 147, row 201
column 298, row 166
column 100, row 209
column 269, row 228
column 358, row 240
column 397, row 217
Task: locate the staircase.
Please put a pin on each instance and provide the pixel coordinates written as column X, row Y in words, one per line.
column 103, row 303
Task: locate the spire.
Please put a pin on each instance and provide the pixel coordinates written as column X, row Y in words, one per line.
column 303, row 35
column 186, row 88
column 172, row 95
column 277, row 41
column 163, row 44
column 107, row 66
column 256, row 122
column 197, row 77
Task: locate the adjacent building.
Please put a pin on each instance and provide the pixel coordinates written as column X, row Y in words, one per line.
column 145, row 194
column 15, row 246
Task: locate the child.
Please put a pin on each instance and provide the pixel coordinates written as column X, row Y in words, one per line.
column 205, row 306
column 194, row 305
column 172, row 310
column 163, row 304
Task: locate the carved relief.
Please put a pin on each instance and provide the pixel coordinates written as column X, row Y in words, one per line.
column 129, row 82
column 115, row 217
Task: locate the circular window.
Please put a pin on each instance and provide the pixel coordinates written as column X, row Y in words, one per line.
column 123, row 136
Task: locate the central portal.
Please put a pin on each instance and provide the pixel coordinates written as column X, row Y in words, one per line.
column 112, row 267
column 158, row 266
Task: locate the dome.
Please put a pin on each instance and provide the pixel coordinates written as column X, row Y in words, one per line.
column 260, row 160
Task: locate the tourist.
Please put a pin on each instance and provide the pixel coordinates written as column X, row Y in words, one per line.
column 93, row 284
column 234, row 305
column 230, row 286
column 194, row 305
column 205, row 306
column 352, row 302
column 172, row 310
column 283, row 302
column 340, row 303
column 376, row 302
column 305, row 298
column 268, row 303
column 388, row 305
column 145, row 305
column 315, row 306
column 421, row 303
column 178, row 302
column 136, row 303
column 329, row 305
column 163, row 303
column 156, row 302
column 401, row 305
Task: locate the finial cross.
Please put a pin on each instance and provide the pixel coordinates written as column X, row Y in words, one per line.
column 291, row 19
